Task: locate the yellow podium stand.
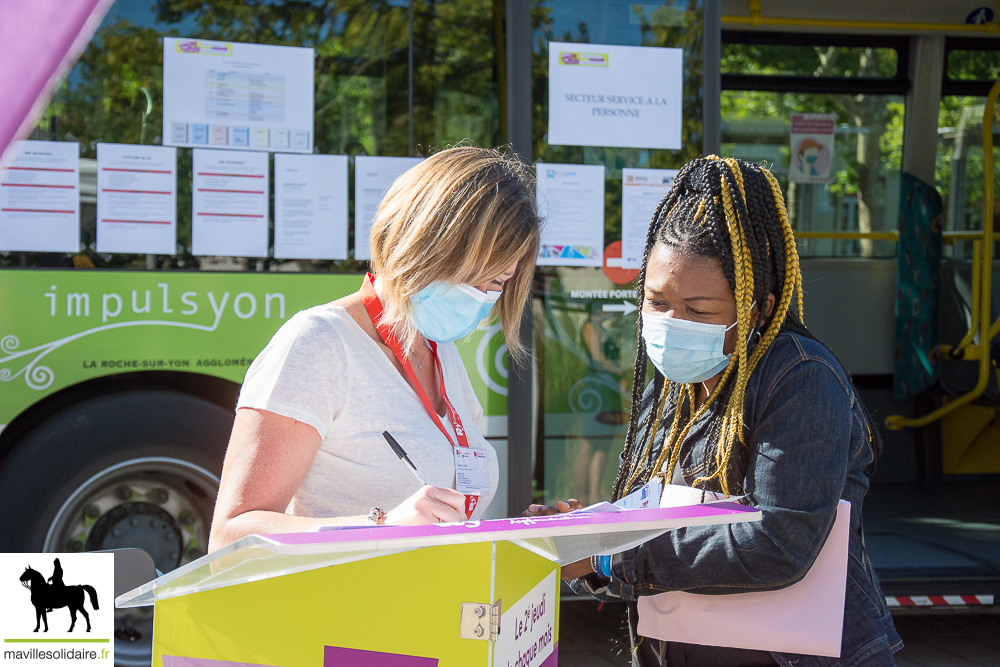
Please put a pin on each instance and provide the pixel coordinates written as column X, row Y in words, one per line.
column 454, row 595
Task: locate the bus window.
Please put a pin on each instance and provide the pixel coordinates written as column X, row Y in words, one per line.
column 970, row 69
column 766, row 80
column 960, row 161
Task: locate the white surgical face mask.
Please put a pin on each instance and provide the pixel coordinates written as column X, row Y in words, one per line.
column 445, row 313
column 685, row 351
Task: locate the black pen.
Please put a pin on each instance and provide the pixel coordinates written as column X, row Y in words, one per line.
column 403, row 457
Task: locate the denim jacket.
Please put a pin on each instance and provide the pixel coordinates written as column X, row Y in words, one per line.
column 808, row 446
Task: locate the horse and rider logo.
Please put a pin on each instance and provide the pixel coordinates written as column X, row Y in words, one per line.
column 54, row 594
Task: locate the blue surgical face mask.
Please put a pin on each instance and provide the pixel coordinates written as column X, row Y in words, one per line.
column 685, row 351
column 444, row 313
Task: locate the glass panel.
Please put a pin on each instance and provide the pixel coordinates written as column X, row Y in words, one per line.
column 974, row 65
column 114, row 93
column 863, row 194
column 455, row 94
column 586, row 355
column 584, row 322
column 959, row 171
column 795, row 60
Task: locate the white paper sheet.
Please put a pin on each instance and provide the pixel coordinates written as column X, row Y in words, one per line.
column 244, row 96
column 40, row 197
column 136, row 199
column 679, row 495
column 229, row 203
column 310, row 206
column 622, row 96
column 642, row 191
column 372, row 177
column 571, row 203
column 602, row 506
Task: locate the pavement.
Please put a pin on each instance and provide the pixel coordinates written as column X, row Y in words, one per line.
column 592, row 638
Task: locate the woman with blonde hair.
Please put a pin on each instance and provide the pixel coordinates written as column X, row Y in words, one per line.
column 453, row 244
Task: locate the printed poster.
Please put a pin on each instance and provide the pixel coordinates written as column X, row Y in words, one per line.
column 372, row 177
column 310, row 206
column 812, row 147
column 229, row 203
column 40, row 197
column 642, row 192
column 605, row 95
column 242, row 96
column 571, row 205
column 136, row 199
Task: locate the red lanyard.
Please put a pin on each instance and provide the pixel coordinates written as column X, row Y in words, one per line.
column 374, row 308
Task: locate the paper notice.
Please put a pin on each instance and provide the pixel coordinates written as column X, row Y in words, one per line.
column 571, row 203
column 642, row 191
column 811, row 147
column 136, row 199
column 310, row 206
column 244, row 96
column 40, row 197
column 229, row 203
column 372, row 177
column 608, row 95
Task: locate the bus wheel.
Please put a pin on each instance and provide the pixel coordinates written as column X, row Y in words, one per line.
column 132, row 469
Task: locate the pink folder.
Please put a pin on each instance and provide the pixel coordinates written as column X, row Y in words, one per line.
column 807, row 617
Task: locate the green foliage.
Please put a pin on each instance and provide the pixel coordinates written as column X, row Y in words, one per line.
column 976, row 65
column 109, row 100
column 959, row 170
column 795, row 60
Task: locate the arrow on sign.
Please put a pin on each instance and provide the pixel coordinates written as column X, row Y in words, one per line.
column 624, row 308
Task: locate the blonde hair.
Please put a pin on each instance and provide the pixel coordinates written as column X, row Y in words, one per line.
column 462, row 216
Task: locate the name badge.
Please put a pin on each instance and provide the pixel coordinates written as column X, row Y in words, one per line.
column 472, row 471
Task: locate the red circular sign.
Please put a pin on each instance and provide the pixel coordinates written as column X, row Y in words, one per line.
column 613, row 265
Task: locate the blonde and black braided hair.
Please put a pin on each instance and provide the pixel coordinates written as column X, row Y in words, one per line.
column 734, row 211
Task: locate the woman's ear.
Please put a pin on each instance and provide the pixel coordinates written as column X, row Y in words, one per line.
column 768, row 309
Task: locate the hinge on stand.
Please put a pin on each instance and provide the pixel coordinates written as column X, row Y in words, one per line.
column 480, row 621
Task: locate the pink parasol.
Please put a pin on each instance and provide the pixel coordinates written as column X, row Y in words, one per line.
column 41, row 40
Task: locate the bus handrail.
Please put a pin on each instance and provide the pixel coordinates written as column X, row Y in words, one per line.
column 948, row 238
column 980, row 307
column 756, row 19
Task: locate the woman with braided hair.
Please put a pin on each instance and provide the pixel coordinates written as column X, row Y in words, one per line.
column 743, row 401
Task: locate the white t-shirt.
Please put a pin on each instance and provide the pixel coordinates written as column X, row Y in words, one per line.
column 322, row 369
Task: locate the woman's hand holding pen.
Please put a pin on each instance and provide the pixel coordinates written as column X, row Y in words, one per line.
column 560, row 507
column 430, row 504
